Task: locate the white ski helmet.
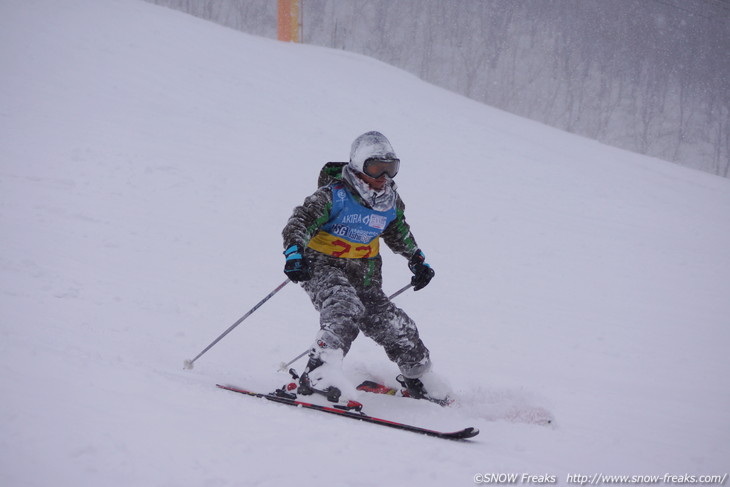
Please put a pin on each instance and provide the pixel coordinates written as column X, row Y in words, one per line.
column 372, row 146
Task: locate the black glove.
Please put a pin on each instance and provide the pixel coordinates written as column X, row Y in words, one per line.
column 422, row 272
column 296, row 268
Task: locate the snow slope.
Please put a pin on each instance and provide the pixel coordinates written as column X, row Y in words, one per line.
column 148, row 161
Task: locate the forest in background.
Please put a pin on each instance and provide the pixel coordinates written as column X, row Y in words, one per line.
column 649, row 76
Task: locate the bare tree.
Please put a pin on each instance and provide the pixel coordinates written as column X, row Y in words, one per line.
column 645, row 75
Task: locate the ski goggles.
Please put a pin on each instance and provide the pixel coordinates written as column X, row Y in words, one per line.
column 375, row 167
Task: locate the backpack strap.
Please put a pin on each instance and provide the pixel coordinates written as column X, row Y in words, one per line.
column 330, row 173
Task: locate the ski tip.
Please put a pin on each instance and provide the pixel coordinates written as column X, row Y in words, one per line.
column 469, row 432
column 464, row 434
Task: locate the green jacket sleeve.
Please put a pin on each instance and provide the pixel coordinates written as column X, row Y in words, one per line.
column 397, row 234
column 307, row 219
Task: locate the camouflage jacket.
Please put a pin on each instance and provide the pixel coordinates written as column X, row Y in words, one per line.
column 307, row 219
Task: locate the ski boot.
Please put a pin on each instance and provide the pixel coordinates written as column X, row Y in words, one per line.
column 413, row 387
column 305, row 383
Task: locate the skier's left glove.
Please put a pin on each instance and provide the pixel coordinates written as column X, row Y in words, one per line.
column 422, row 272
column 296, row 267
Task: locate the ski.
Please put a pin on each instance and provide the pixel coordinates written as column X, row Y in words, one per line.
column 356, row 413
column 527, row 415
column 376, row 388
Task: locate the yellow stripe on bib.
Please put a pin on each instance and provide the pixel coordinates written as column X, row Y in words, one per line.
column 329, row 244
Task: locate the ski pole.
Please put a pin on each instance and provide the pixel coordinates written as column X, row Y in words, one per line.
column 400, row 291
column 188, row 364
column 283, row 366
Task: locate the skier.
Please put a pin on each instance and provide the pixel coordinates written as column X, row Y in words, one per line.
column 332, row 247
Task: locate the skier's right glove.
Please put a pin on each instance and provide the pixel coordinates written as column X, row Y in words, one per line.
column 296, row 268
column 422, row 272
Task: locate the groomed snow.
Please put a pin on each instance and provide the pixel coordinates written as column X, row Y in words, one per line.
column 148, row 161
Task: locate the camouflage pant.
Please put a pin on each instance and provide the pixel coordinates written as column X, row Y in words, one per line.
column 349, row 297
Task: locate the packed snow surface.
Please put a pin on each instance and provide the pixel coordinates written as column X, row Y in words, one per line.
column 148, row 162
